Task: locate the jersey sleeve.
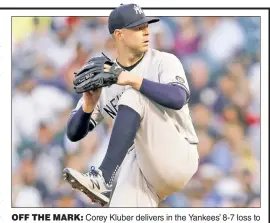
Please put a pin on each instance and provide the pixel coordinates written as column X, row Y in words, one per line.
column 171, row 71
column 96, row 116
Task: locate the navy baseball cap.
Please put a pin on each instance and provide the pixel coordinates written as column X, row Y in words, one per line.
column 128, row 16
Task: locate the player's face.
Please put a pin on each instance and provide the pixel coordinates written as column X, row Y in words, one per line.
column 137, row 38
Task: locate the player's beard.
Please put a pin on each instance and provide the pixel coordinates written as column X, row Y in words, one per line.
column 138, row 51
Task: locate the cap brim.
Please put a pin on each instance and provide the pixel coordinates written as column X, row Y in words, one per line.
column 142, row 21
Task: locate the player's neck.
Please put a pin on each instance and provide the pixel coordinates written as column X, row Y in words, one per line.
column 128, row 59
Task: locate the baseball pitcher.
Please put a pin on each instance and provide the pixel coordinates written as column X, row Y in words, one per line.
column 153, row 145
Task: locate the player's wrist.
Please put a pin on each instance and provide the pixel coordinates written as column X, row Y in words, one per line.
column 87, row 108
column 136, row 82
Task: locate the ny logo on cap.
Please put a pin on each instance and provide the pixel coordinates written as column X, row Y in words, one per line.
column 137, row 9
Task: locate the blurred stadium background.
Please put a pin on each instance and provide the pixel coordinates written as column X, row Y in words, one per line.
column 221, row 56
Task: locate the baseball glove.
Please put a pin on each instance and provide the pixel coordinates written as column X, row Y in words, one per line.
column 92, row 76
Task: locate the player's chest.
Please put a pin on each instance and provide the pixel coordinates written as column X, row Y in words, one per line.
column 148, row 72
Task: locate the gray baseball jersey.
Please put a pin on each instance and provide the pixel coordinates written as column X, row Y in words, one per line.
column 156, row 66
column 165, row 155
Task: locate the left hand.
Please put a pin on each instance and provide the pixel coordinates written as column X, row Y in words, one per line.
column 124, row 77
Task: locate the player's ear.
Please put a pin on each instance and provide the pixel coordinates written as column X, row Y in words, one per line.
column 118, row 34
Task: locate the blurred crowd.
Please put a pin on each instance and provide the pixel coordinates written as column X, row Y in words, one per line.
column 221, row 57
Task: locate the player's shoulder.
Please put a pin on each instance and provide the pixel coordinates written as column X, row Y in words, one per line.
column 164, row 56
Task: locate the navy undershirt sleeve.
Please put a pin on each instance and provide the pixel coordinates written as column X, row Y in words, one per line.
column 167, row 95
column 79, row 125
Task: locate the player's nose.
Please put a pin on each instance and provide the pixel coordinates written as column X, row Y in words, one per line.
column 146, row 31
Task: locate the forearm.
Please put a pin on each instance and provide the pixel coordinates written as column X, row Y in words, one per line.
column 169, row 96
column 79, row 125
